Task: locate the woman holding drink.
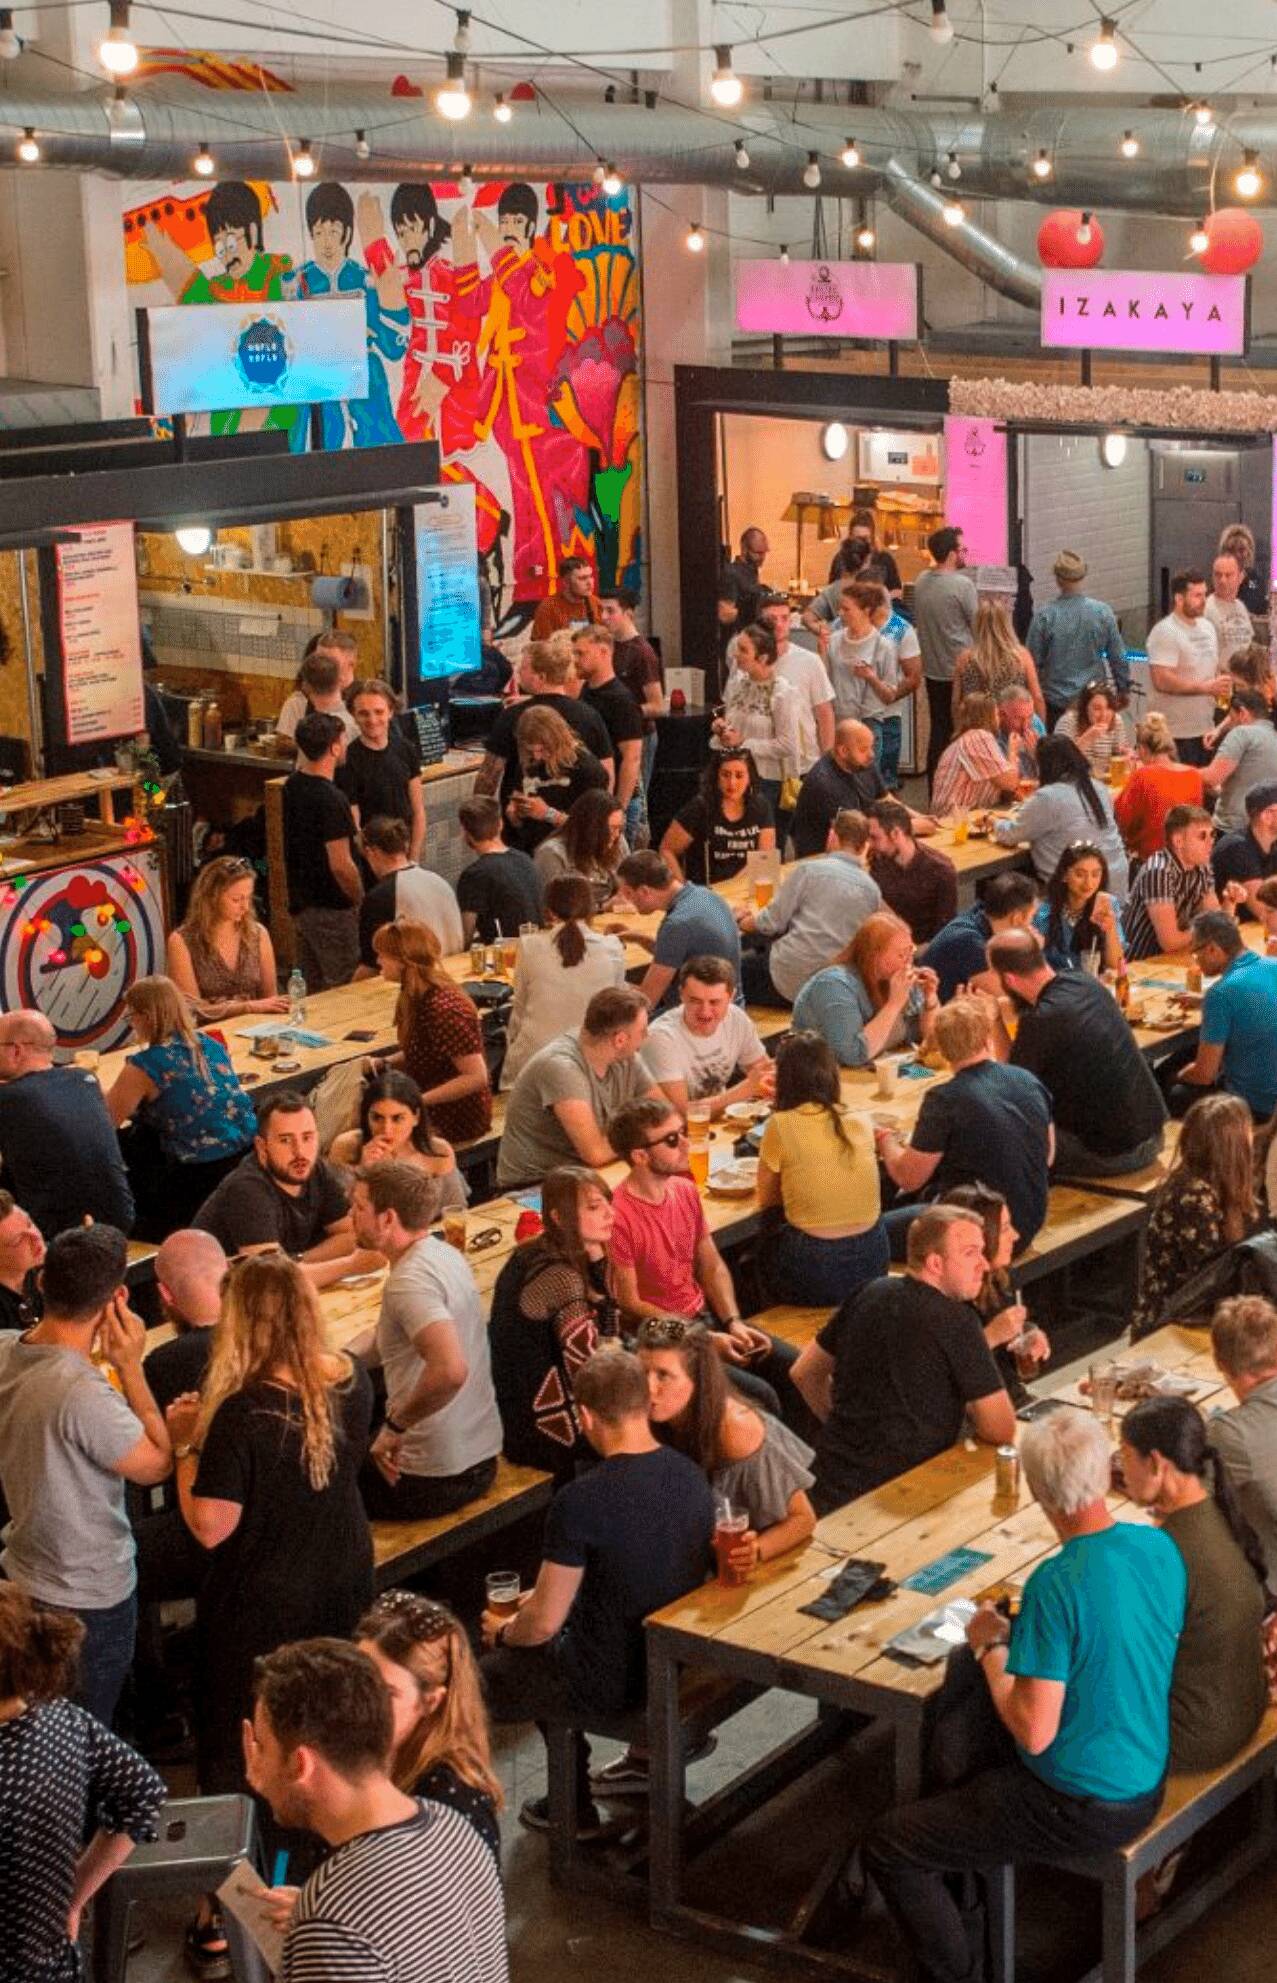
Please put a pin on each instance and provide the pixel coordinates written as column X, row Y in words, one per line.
column 395, row 1128
column 1080, row 922
column 1100, row 732
column 1019, row 1347
column 871, row 1000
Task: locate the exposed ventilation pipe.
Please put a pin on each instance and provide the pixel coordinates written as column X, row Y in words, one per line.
column 969, row 245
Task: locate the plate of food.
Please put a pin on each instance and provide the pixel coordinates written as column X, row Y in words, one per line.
column 738, row 1179
column 746, row 1112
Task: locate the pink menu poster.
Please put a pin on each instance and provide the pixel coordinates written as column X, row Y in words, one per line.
column 976, row 487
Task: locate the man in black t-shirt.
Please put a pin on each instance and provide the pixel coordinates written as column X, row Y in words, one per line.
column 896, row 1369
column 544, row 671
column 189, row 1270
column 1109, row 1112
column 593, row 647
column 502, row 889
column 844, row 779
column 21, row 1257
column 324, row 888
column 284, row 1194
column 621, row 1540
column 1249, row 857
column 381, row 771
column 58, row 1145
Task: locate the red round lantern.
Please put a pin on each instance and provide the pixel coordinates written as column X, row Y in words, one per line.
column 1235, row 242
column 1059, row 246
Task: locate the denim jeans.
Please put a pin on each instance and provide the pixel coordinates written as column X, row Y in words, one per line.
column 636, row 814
column 888, row 734
column 795, row 1266
column 106, row 1654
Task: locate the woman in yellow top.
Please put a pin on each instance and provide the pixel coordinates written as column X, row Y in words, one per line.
column 817, row 1168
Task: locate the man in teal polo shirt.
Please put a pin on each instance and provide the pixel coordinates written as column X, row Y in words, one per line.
column 1080, row 1687
column 1237, row 1048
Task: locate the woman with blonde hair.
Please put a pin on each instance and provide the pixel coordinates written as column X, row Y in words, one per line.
column 266, row 1465
column 222, row 957
column 1158, row 782
column 186, row 1094
column 818, row 1180
column 558, row 972
column 995, row 660
column 871, row 1000
column 554, row 768
column 440, row 1034
column 1206, row 1204
column 974, row 770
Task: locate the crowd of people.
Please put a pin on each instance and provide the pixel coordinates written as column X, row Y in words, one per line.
column 614, row 1349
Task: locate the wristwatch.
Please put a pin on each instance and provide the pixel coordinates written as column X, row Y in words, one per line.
column 393, row 1425
column 187, row 1452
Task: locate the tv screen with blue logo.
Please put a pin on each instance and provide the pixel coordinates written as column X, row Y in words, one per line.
column 206, row 357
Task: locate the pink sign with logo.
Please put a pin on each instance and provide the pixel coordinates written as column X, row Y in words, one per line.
column 1141, row 310
column 975, row 493
column 829, row 299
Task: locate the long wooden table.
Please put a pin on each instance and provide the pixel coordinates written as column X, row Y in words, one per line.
column 758, row 1634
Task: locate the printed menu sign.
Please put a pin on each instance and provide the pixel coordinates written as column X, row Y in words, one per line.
column 447, row 585
column 101, row 637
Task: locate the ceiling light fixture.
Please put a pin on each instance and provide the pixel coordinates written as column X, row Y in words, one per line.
column 612, row 181
column 1199, row 239
column 1085, row 232
column 1104, row 51
column 1042, row 167
column 501, row 110
column 1204, row 116
column 811, row 171
column 725, row 86
column 741, row 155
column 1130, row 145
column 953, row 168
column 1113, row 450
column 850, row 154
column 866, row 239
column 203, row 165
column 954, row 213
column 28, row 149
column 834, row 440
column 1248, row 180
column 695, row 239
column 941, row 25
column 117, row 51
column 452, row 98
column 784, row 254
column 304, row 161
column 193, row 538
column 362, row 147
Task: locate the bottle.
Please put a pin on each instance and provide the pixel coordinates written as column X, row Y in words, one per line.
column 195, row 724
column 212, row 726
column 1123, row 986
column 296, row 997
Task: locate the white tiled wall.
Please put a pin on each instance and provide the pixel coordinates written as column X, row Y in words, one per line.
column 189, row 631
column 1070, row 501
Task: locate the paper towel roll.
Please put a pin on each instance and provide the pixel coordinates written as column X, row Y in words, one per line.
column 337, row 595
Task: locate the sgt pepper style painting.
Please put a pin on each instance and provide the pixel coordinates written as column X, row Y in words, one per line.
column 502, row 321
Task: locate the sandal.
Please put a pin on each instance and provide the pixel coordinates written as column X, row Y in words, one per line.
column 206, row 1948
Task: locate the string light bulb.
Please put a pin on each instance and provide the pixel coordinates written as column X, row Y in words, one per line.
column 362, row 147
column 811, row 171
column 303, row 160
column 501, row 110
column 1248, row 180
column 741, row 156
column 1104, row 50
column 1130, row 145
column 599, row 173
column 936, row 179
column 452, row 98
column 117, row 50
column 612, row 181
column 953, row 168
column 954, row 213
column 461, row 39
column 1204, row 116
column 203, row 165
column 851, row 154
column 10, row 42
column 725, row 86
column 1085, row 232
column 941, row 25
column 28, row 149
column 784, row 254
column 1042, row 167
column 865, row 237
column 695, row 239
column 1199, row 239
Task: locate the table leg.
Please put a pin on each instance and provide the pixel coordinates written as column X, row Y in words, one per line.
column 668, row 1778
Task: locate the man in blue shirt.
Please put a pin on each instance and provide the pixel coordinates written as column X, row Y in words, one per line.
column 1080, row 1689
column 956, row 953
column 1237, row 1047
column 1072, row 638
column 696, row 922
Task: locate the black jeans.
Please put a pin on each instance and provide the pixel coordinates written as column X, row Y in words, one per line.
column 940, row 707
column 418, row 1497
column 528, row 1683
column 755, row 974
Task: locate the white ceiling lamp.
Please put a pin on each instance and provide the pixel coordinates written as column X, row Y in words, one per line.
column 28, row 148
column 612, row 181
column 10, row 42
column 117, row 50
column 203, row 165
column 741, row 156
column 834, row 440
column 695, row 239
column 1248, row 180
column 850, row 154
column 362, row 147
column 501, row 110
column 1199, row 239
column 954, row 213
column 1130, row 145
column 941, row 25
column 452, row 98
column 866, row 239
column 1085, row 232
column 193, row 538
column 811, row 171
column 1104, row 50
column 1113, row 450
column 725, row 86
column 784, row 255
column 1042, row 167
column 303, row 160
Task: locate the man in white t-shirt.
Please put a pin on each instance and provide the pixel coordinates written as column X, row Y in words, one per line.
column 401, row 888
column 1224, row 610
column 693, row 1051
column 325, row 675
column 1183, row 661
column 806, row 672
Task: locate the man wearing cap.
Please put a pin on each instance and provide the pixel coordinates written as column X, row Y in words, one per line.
column 1249, row 857
column 1245, row 756
column 1072, row 639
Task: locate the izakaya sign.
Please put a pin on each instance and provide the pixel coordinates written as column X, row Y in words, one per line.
column 877, row 300
column 1135, row 310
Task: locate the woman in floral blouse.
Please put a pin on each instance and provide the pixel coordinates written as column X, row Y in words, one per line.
column 1206, row 1204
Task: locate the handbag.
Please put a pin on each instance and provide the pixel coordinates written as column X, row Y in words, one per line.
column 790, row 787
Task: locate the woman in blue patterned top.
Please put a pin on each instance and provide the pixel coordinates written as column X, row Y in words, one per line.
column 185, row 1091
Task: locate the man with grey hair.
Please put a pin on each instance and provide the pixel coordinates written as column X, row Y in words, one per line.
column 1072, row 638
column 1077, row 1696
column 1235, row 1047
column 58, row 1145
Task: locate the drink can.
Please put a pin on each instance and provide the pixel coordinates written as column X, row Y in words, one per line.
column 1007, row 1472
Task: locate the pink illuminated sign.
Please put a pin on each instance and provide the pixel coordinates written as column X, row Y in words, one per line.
column 829, row 299
column 975, row 492
column 1138, row 310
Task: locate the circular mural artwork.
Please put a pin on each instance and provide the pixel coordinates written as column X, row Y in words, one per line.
column 73, row 941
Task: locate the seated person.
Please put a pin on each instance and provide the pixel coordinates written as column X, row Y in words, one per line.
column 326, row 672
column 957, row 953
column 558, row 972
column 1097, row 727
column 439, row 1030
column 58, row 1145
column 1249, row 857
column 570, row 1088
column 440, row 1438
column 189, row 1270
column 500, row 892
column 1235, row 1047
column 401, row 888
column 895, row 1372
column 591, row 842
column 695, row 922
column 1243, row 1340
column 919, row 883
column 990, row 1124
column 1079, row 1684
column 845, row 779
column 1172, row 887
column 1070, row 1031
column 1004, row 1315
column 394, row 1128
column 284, row 1194
column 713, row 836
column 222, row 958
column 1219, row 1689
column 816, row 1168
column 1067, row 805
column 622, row 1540
column 871, row 1000
column 22, row 1252
column 1246, row 756
column 817, row 909
column 1206, row 1204
column 693, row 1052
column 1080, row 923
column 1158, row 782
column 974, row 771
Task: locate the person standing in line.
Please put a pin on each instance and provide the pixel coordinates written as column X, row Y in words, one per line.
column 1074, row 640
column 324, row 888
column 593, row 648
column 805, row 672
column 573, row 605
column 741, row 585
column 639, row 666
column 764, row 713
column 402, row 889
column 1184, row 666
column 944, row 606
column 1224, row 609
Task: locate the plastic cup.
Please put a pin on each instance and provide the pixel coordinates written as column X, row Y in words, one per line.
column 509, row 954
column 961, row 828
column 1103, row 1378
column 729, row 1526
column 887, row 1073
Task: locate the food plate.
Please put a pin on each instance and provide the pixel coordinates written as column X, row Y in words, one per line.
column 746, row 1111
column 738, row 1179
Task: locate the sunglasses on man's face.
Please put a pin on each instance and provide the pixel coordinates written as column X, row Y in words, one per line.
column 671, row 1141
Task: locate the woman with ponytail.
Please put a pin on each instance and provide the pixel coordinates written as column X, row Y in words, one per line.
column 63, row 1776
column 558, row 972
column 1219, row 1689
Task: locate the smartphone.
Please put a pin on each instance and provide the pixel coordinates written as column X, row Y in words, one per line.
column 362, row 1033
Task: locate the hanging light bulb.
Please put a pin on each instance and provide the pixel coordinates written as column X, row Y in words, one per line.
column 1104, row 51
column 725, row 85
column 1204, row 116
column 811, row 171
column 599, row 173
column 28, row 149
column 941, row 25
column 1042, row 166
column 953, row 168
column 1085, row 232
column 936, row 179
column 304, row 161
column 1130, row 145
column 501, row 110
column 461, row 39
column 695, row 239
column 850, row 154
column 194, row 538
column 117, row 51
column 612, row 181
column 362, row 147
column 784, row 255
column 954, row 213
column 10, row 44
column 1248, row 180
column 865, row 237
column 465, row 184
column 741, row 155
column 203, row 165
column 1199, row 239
column 452, row 98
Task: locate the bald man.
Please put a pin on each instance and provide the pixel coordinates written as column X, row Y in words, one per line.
column 58, row 1147
column 189, row 1270
column 845, row 778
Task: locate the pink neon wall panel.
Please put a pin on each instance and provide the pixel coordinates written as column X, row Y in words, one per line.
column 829, row 299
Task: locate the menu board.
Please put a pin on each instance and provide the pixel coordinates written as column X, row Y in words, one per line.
column 100, row 635
column 447, row 585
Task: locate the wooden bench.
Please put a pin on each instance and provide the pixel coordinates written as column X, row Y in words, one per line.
column 401, row 1549
column 790, row 1324
column 1148, row 1181
column 1191, row 1801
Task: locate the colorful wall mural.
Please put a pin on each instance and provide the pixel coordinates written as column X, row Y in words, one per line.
column 502, row 321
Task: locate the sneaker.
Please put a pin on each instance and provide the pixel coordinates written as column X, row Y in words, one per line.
column 630, row 1775
column 535, row 1814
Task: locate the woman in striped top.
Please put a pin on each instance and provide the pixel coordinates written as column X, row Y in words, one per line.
column 974, row 770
